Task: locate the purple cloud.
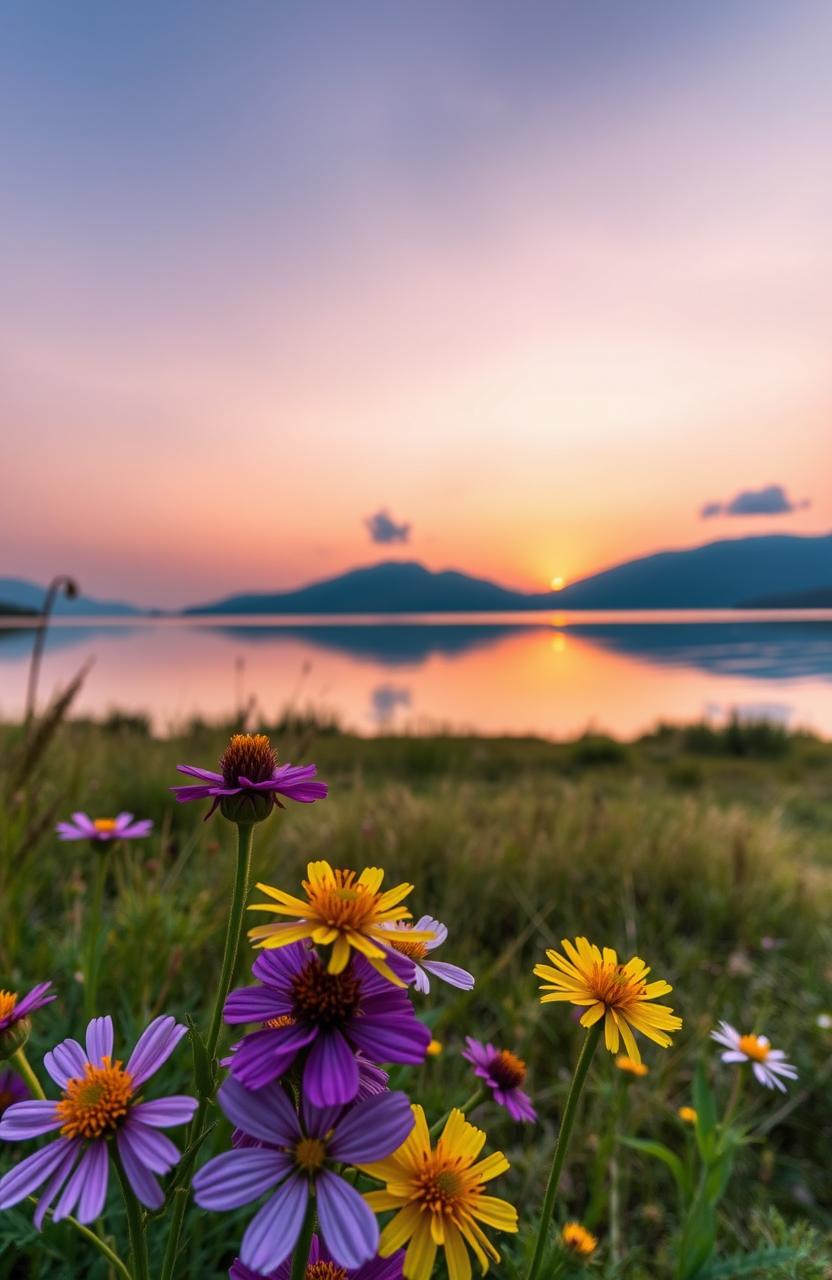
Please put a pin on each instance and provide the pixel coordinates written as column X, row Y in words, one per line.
column 771, row 500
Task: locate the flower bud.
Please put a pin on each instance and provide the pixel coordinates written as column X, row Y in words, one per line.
column 248, row 806
column 14, row 1037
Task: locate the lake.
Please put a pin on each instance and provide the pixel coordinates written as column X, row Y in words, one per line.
column 553, row 675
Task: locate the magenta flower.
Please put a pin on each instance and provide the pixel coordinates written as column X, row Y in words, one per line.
column 327, row 1269
column 300, row 1156
column 12, row 1089
column 13, row 1010
column 100, row 830
column 325, row 1016
column 97, row 1104
column 249, row 769
column 417, row 953
column 504, row 1073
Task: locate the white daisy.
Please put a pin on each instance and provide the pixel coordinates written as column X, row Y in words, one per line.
column 768, row 1064
column 417, row 952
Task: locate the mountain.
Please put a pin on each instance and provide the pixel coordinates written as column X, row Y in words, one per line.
column 815, row 598
column 28, row 597
column 717, row 575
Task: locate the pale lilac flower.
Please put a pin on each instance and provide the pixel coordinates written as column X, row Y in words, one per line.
column 769, row 1065
column 418, row 953
column 101, row 830
column 504, row 1073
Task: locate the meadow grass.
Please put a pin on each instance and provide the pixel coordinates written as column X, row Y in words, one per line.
column 708, row 853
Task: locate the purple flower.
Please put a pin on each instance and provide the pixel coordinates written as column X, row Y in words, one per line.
column 13, row 1010
column 100, row 830
column 376, row 1269
column 418, row 951
column 97, row 1103
column 12, row 1089
column 504, row 1073
column 249, row 769
column 328, row 1016
column 300, row 1155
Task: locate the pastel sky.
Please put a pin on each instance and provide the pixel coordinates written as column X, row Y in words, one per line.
column 540, row 279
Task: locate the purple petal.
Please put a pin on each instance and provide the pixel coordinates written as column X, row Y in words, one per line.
column 165, row 1112
column 155, row 1045
column 65, row 1062
column 84, row 823
column 28, row 1119
column 278, row 968
column 183, row 794
column 32, row 1172
column 330, row 1076
column 88, row 1185
column 348, row 1225
column 273, row 1231
column 267, row 1055
column 451, row 973
column 66, row 831
column 136, row 830
column 267, row 1114
column 36, row 999
column 144, row 1185
column 372, row 1129
column 391, row 1038
column 100, row 1040
column 53, row 1186
column 154, row 1149
column 255, row 1004
column 207, row 775
column 239, row 1176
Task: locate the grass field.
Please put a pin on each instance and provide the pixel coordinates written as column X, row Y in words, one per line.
column 708, row 853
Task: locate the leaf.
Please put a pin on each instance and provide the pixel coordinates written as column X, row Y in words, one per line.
column 203, row 1066
column 669, row 1158
column 705, row 1107
column 747, row 1264
column 717, row 1177
column 698, row 1238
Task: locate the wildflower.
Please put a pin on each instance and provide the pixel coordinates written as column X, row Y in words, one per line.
column 303, row 1007
column 435, row 1048
column 250, row 780
column 687, row 1115
column 299, row 1157
column 577, row 1239
column 322, row 1267
column 12, row 1089
column 102, row 830
column 15, row 1022
column 97, row 1103
column 618, row 993
column 343, row 909
column 439, row 1195
column 768, row 1064
column 824, row 1021
column 630, row 1065
column 504, row 1073
column 404, row 939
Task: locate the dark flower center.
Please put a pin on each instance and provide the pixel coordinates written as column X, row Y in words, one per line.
column 6, row 1099
column 325, row 999
column 248, row 755
column 325, row 1271
column 507, row 1069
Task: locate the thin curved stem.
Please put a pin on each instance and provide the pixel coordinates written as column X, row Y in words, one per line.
column 562, row 1144
column 301, row 1256
column 101, row 1245
column 22, row 1063
column 136, row 1228
column 476, row 1098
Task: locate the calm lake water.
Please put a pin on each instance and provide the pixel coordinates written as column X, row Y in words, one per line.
column 548, row 674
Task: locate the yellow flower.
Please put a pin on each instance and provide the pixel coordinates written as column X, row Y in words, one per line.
column 618, row 993
column 435, row 1048
column 631, row 1066
column 687, row 1115
column 578, row 1239
column 439, row 1194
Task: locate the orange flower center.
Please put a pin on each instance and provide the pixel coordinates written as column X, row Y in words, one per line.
column 325, row 999
column 438, row 1184
column 325, row 1271
column 273, row 1024
column 507, row 1069
column 342, row 903
column 410, row 947
column 104, row 825
column 310, row 1154
column 248, row 755
column 8, row 1000
column 95, row 1104
column 610, row 985
column 754, row 1048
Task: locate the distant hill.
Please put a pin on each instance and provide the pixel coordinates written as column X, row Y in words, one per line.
column 28, row 597
column 817, row 598
column 14, row 611
column 717, row 575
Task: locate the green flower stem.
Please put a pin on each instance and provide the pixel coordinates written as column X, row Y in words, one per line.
column 474, row 1101
column 136, row 1228
column 22, row 1063
column 562, row 1144
column 245, row 840
column 101, row 1245
column 301, row 1256
column 733, row 1097
column 94, row 935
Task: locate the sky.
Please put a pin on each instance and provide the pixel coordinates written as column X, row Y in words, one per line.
column 520, row 289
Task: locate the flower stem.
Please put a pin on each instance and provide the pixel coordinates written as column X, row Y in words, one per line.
column 101, row 1245
column 562, row 1144
column 136, row 1228
column 245, row 834
column 475, row 1099
column 301, row 1256
column 93, row 935
column 22, row 1063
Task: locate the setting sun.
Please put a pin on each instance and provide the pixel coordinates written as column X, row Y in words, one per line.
column 557, row 583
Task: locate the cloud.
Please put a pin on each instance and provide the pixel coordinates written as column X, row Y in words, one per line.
column 771, row 500
column 383, row 528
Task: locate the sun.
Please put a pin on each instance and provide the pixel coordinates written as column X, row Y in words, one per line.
column 557, row 583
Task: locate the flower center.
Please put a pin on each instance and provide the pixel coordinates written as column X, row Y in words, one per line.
column 754, row 1048
column 342, row 903
column 325, row 1271
column 611, row 986
column 407, row 946
column 104, row 826
column 248, row 755
column 95, row 1104
column 310, row 1154
column 507, row 1069
column 325, row 999
column 274, row 1024
column 8, row 1000
column 438, row 1185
